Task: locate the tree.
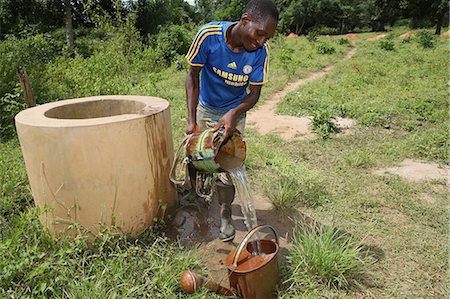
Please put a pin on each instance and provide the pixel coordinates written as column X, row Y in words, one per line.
column 69, row 26
column 440, row 8
column 151, row 14
column 297, row 14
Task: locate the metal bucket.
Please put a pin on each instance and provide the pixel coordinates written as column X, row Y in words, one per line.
column 208, row 151
column 254, row 276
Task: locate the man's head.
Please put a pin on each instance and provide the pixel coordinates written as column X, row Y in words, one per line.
column 259, row 21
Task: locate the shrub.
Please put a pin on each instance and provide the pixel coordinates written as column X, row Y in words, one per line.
column 312, row 36
column 343, row 41
column 407, row 40
column 172, row 40
column 386, row 44
column 286, row 59
column 10, row 105
column 323, row 124
column 325, row 49
column 31, row 52
column 323, row 256
column 425, row 39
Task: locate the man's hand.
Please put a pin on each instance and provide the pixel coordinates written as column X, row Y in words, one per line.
column 192, row 128
column 228, row 122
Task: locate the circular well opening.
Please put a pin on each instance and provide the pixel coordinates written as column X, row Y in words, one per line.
column 97, row 109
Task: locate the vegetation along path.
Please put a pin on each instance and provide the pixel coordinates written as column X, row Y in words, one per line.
column 265, row 119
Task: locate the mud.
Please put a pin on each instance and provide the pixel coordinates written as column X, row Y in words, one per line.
column 198, row 225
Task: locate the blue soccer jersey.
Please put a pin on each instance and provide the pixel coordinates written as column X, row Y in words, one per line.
column 225, row 74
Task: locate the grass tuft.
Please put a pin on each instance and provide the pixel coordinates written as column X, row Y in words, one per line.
column 324, row 257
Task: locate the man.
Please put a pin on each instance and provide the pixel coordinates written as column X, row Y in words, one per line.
column 232, row 58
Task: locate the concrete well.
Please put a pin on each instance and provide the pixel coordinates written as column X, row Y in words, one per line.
column 99, row 162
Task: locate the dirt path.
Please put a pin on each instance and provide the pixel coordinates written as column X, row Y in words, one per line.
column 265, row 120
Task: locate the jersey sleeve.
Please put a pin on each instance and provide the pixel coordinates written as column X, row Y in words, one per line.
column 261, row 68
column 199, row 50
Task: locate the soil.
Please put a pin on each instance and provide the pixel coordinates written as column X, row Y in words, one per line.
column 265, row 120
column 407, row 34
column 351, row 36
column 446, row 33
column 375, row 38
column 416, row 171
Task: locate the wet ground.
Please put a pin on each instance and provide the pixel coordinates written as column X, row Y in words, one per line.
column 198, row 225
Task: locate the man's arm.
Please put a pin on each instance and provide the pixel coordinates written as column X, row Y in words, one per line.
column 229, row 120
column 192, row 92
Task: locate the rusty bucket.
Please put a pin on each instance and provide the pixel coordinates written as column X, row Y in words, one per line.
column 210, row 152
column 252, row 275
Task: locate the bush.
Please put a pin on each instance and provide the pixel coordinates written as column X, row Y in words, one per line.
column 343, row 41
column 172, row 40
column 312, row 36
column 407, row 40
column 322, row 48
column 323, row 256
column 323, row 124
column 31, row 52
column 425, row 39
column 386, row 44
column 10, row 105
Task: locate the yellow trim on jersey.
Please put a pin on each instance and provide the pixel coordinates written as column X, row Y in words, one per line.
column 258, row 83
column 266, row 63
column 195, row 64
column 225, row 32
column 198, row 39
column 192, row 56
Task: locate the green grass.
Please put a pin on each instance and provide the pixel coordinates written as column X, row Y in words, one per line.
column 324, row 257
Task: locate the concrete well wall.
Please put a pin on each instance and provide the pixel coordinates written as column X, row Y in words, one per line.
column 99, row 162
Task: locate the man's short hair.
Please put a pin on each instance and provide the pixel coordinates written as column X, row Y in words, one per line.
column 262, row 9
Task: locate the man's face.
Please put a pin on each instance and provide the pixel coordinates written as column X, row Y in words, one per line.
column 256, row 32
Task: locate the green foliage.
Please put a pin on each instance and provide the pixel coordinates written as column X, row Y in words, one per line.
column 32, row 53
column 152, row 15
column 35, row 265
column 324, row 257
column 323, row 123
column 323, row 48
column 172, row 40
column 10, row 105
column 386, row 44
column 324, row 30
column 425, row 39
column 231, row 11
column 344, row 41
column 407, row 40
column 312, row 36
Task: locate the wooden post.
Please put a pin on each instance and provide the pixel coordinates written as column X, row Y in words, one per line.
column 26, row 87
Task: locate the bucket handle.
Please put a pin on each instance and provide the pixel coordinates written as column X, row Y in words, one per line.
column 247, row 237
column 181, row 185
